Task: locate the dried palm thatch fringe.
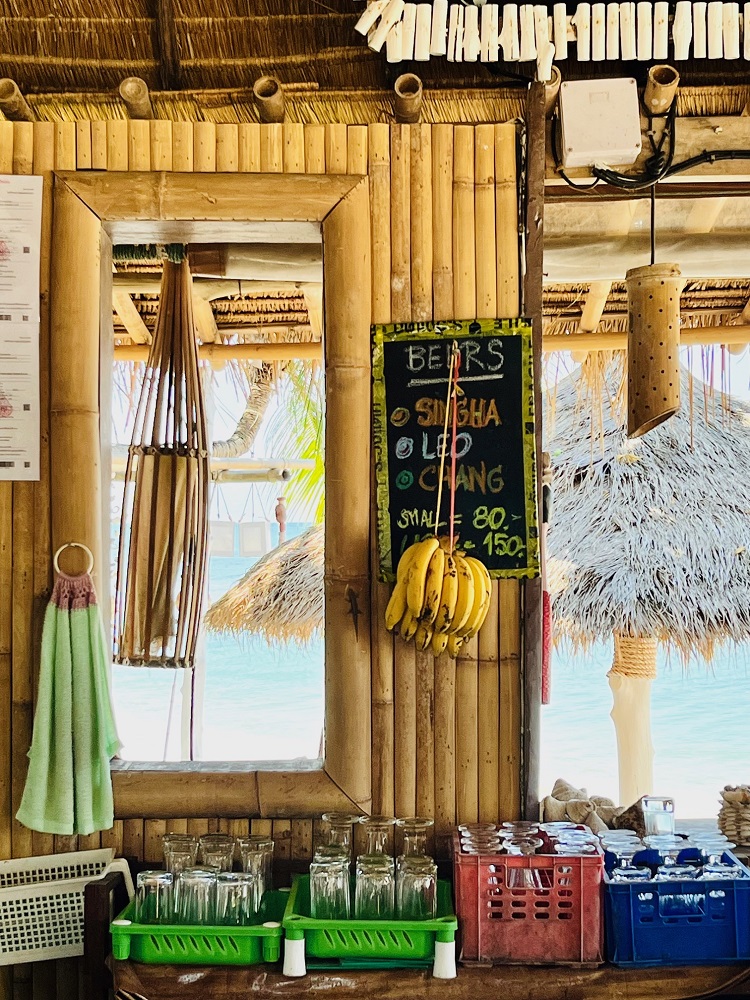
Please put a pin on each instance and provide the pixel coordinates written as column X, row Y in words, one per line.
column 650, row 537
column 352, row 107
column 281, row 597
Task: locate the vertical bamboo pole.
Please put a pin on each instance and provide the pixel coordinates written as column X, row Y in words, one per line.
column 509, row 796
column 445, row 751
column 405, row 680
column 381, row 640
column 425, row 797
column 83, row 146
column 98, row 145
column 294, row 148
column 182, row 147
column 44, row 164
column 227, row 148
column 467, row 734
column 489, row 712
column 249, row 137
column 335, row 148
column 197, row 827
column 272, row 148
column 464, row 253
column 302, row 840
column 509, row 596
column 400, row 224
column 6, row 625
column 153, row 845
column 204, row 147
column 356, row 149
column 161, row 144
column 132, row 839
column 65, row 145
column 139, row 145
column 6, row 147
column 237, row 827
column 348, row 310
column 506, row 208
column 117, row 144
column 22, row 653
column 315, row 149
column 115, row 838
column 420, row 155
column 282, row 840
column 484, row 221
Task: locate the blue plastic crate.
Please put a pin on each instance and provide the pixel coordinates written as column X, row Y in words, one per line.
column 678, row 923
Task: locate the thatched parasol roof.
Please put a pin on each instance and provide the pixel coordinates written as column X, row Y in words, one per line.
column 281, row 597
column 651, row 537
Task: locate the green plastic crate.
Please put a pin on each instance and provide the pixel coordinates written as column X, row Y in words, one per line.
column 368, row 943
column 182, row 944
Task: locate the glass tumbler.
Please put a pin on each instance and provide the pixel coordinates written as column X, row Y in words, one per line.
column 197, row 896
column 416, row 888
column 238, row 896
column 375, row 885
column 180, row 852
column 378, row 829
column 217, row 851
column 256, row 852
column 415, row 830
column 330, row 885
column 339, row 832
column 153, row 898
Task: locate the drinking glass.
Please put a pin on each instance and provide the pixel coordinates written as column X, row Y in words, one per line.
column 180, row 852
column 416, row 888
column 153, row 898
column 669, row 847
column 374, row 887
column 658, row 815
column 576, row 849
column 553, row 829
column 472, row 829
column 415, row 830
column 340, row 830
column 197, row 896
column 521, row 828
column 713, row 854
column 522, row 845
column 256, row 852
column 238, row 896
column 330, row 886
column 378, row 829
column 217, row 851
column 625, row 871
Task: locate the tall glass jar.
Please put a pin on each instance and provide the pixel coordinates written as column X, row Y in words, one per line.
column 329, row 884
column 339, row 830
column 375, row 888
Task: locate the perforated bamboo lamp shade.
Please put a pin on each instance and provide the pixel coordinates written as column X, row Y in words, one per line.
column 653, row 345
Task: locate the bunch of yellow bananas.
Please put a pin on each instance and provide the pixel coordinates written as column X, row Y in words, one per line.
column 441, row 597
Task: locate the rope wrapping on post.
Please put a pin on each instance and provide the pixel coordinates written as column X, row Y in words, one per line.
column 635, row 656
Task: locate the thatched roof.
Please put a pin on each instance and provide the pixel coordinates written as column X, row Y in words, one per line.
column 651, row 537
column 280, row 598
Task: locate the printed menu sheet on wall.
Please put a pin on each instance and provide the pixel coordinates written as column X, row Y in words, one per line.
column 493, row 477
column 20, row 238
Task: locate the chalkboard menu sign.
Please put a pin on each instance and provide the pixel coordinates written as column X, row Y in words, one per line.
column 495, row 479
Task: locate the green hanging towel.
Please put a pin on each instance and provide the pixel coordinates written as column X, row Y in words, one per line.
column 68, row 786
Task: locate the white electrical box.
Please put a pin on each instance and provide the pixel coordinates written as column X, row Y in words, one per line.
column 600, row 123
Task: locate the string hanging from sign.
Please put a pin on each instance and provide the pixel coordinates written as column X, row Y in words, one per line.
column 450, row 403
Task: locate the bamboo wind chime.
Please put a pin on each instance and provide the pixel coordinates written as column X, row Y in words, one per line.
column 164, row 528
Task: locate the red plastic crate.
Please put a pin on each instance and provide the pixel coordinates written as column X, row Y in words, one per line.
column 561, row 923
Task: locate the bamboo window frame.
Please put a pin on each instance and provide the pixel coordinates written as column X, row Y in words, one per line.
column 87, row 208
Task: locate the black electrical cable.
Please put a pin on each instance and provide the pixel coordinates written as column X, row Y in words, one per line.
column 708, row 156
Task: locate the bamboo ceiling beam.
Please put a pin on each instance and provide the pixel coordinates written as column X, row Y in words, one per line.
column 207, row 288
column 130, row 317
column 205, row 322
column 593, row 307
column 310, row 350
column 135, row 96
column 13, row 103
column 599, row 341
column 170, row 68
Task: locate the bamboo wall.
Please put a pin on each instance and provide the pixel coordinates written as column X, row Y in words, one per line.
column 446, row 735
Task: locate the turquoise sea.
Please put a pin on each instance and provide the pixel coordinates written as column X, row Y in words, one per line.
column 266, row 703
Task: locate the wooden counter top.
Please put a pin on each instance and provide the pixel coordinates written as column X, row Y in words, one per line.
column 510, row 982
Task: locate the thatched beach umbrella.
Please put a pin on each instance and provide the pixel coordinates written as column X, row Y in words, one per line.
column 280, row 597
column 649, row 541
